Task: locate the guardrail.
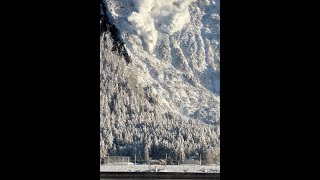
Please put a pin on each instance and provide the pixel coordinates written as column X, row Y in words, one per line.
column 159, row 175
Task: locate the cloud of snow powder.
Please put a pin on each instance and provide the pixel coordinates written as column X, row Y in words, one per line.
column 168, row 16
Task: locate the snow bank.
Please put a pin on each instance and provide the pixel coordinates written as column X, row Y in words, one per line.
column 168, row 16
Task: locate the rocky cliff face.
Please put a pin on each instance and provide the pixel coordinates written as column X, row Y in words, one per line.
column 166, row 100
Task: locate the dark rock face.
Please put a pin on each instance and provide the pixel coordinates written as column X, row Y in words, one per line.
column 106, row 26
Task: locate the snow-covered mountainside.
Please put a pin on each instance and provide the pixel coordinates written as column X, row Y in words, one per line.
column 168, row 96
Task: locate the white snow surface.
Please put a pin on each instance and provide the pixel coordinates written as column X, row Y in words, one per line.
column 160, row 168
column 175, row 49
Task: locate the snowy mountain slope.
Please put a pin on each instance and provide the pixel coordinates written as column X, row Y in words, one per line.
column 169, row 95
column 174, row 45
column 134, row 121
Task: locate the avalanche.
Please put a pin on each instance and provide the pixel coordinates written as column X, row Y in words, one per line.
column 167, row 99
